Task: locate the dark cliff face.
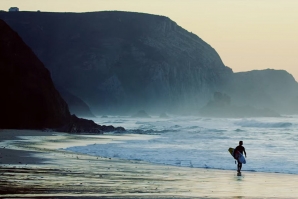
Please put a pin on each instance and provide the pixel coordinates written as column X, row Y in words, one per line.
column 29, row 99
column 28, row 96
column 120, row 61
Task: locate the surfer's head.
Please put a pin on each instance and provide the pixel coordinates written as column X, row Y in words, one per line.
column 240, row 143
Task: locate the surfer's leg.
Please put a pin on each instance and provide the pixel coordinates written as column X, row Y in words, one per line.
column 239, row 166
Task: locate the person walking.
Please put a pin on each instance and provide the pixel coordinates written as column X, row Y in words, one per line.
column 241, row 150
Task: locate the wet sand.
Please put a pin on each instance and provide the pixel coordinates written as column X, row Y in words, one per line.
column 32, row 164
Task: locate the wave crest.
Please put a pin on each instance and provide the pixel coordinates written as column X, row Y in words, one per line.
column 254, row 123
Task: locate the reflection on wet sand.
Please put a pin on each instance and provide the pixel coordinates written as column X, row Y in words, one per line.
column 64, row 173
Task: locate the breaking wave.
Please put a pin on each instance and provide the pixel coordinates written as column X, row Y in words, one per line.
column 254, row 123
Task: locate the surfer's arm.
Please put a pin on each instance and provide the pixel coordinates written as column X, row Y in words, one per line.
column 244, row 152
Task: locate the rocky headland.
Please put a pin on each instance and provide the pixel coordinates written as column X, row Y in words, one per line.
column 29, row 99
column 122, row 62
column 264, row 89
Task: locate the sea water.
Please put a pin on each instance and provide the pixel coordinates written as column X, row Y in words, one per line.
column 271, row 143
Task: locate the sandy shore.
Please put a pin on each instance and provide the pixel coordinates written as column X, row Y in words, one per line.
column 32, row 164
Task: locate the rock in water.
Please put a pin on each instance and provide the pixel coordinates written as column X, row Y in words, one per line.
column 141, row 114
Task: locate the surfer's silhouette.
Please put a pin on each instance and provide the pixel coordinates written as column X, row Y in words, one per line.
column 241, row 149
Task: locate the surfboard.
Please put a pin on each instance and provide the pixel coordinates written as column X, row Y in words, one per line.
column 238, row 156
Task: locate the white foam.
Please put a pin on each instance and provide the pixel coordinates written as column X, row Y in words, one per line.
column 271, row 143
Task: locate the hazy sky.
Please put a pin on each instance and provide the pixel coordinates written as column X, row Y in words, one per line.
column 247, row 34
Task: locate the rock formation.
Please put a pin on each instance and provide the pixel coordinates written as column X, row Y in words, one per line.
column 28, row 96
column 122, row 61
column 29, row 99
column 78, row 125
column 221, row 106
column 272, row 89
column 76, row 105
column 163, row 115
column 141, row 114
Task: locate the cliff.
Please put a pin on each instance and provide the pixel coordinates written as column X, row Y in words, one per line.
column 76, row 105
column 29, row 99
column 273, row 89
column 28, row 96
column 123, row 62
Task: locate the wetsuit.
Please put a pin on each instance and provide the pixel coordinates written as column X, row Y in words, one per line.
column 241, row 149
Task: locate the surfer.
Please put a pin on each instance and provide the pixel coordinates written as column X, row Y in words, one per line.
column 241, row 149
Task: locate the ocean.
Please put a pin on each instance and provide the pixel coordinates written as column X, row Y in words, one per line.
column 188, row 141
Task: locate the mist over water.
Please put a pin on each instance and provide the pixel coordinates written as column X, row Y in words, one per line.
column 271, row 143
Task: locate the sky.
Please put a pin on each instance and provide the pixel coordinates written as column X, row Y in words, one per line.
column 247, row 34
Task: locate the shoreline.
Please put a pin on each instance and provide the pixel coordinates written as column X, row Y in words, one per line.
column 47, row 171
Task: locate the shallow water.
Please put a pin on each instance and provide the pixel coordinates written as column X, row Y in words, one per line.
column 271, row 143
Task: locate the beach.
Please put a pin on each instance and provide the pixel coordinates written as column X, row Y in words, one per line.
column 33, row 164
